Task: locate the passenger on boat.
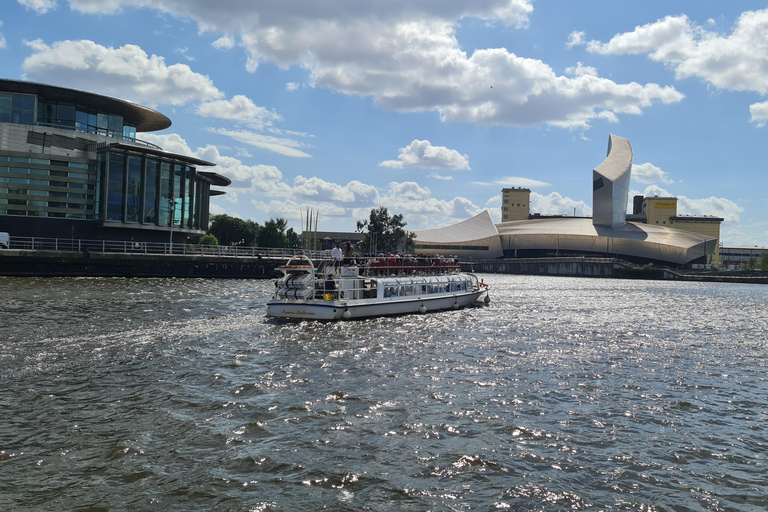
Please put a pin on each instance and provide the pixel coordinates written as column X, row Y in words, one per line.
column 336, row 255
column 330, row 288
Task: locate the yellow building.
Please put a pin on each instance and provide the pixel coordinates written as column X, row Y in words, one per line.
column 515, row 203
column 663, row 211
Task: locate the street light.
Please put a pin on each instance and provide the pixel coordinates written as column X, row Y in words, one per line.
column 173, row 211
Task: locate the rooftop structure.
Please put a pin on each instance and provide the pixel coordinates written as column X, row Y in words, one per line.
column 71, row 165
column 610, row 184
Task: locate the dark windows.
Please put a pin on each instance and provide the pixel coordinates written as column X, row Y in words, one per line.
column 115, row 186
column 133, row 192
column 150, row 192
column 166, row 194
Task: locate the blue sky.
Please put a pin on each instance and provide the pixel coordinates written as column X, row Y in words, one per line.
column 428, row 108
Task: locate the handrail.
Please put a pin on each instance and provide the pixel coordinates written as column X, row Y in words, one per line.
column 108, row 133
column 131, row 247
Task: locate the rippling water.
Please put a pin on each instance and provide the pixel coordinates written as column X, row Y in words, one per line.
column 577, row 394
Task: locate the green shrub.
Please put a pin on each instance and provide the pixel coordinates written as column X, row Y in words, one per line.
column 208, row 240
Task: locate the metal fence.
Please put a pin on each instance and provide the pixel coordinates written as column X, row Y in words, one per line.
column 130, row 247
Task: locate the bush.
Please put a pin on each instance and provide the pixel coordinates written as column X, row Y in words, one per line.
column 208, row 240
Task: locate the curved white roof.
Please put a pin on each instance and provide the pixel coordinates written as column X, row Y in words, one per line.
column 479, row 231
column 631, row 239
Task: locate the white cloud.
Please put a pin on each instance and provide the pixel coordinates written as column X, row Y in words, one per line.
column 184, row 53
column 436, row 176
column 737, row 61
column 223, row 43
column 514, row 181
column 576, row 38
column 555, row 204
column 283, row 146
column 404, row 54
column 759, row 113
column 264, row 187
column 240, row 109
column 291, row 86
column 649, row 173
column 2, row 37
column 39, row 6
column 126, row 72
column 421, row 153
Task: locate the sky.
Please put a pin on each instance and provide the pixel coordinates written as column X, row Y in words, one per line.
column 428, row 108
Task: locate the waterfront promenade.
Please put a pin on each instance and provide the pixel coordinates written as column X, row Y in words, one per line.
column 62, row 257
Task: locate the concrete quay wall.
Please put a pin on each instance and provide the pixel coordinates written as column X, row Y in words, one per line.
column 586, row 267
column 605, row 267
column 83, row 264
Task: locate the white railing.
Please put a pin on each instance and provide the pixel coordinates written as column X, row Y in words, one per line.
column 130, row 247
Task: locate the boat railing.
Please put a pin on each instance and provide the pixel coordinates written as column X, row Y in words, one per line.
column 397, row 266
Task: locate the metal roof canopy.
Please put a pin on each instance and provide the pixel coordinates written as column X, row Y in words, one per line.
column 143, row 118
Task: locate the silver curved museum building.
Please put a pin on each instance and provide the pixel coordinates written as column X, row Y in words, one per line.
column 653, row 233
column 71, row 165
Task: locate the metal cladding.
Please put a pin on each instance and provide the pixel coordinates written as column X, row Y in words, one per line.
column 610, row 184
column 475, row 238
column 579, row 235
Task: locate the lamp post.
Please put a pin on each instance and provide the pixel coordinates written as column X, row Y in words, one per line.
column 173, row 211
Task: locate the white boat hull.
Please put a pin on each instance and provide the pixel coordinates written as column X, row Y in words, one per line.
column 366, row 308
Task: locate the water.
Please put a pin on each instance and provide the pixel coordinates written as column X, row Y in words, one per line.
column 563, row 394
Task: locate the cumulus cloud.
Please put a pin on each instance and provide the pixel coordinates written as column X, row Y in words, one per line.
column 421, row 153
column 436, row 176
column 556, row 204
column 240, row 109
column 649, row 173
column 759, row 113
column 737, row 61
column 2, row 37
column 223, row 43
column 127, row 72
column 39, row 6
column 576, row 38
column 404, row 54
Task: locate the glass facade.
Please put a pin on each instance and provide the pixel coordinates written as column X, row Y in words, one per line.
column 115, row 185
column 144, row 189
column 35, row 187
column 30, row 109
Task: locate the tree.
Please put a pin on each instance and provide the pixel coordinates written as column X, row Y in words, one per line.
column 751, row 263
column 233, row 231
column 208, row 240
column 293, row 238
column 385, row 233
column 272, row 234
column 763, row 264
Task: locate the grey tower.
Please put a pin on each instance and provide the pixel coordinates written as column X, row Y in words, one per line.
column 610, row 184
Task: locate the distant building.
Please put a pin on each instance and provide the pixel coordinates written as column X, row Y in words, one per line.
column 71, row 166
column 654, row 234
column 515, row 204
column 733, row 258
column 663, row 211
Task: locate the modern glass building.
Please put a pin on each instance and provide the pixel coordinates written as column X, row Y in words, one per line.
column 71, row 165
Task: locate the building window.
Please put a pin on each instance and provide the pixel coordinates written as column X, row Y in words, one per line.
column 166, row 194
column 133, row 195
column 150, row 192
column 115, row 187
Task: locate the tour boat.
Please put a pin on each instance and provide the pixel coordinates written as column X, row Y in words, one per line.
column 381, row 286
